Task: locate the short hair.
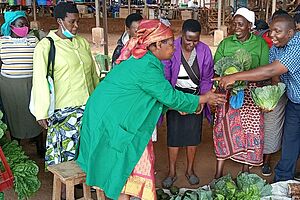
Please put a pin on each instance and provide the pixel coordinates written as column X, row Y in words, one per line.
column 297, row 18
column 261, row 25
column 279, row 12
column 134, row 17
column 287, row 19
column 62, row 8
column 191, row 25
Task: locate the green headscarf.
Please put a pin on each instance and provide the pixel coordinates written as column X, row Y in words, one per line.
column 9, row 17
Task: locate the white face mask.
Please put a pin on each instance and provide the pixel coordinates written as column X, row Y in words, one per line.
column 65, row 31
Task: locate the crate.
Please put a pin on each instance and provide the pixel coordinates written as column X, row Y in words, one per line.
column 82, row 9
column 6, row 177
column 88, row 15
column 186, row 14
column 123, row 12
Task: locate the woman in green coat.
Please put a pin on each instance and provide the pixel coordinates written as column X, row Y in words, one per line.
column 121, row 114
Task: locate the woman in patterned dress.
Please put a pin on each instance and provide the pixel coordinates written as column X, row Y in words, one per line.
column 238, row 133
column 74, row 78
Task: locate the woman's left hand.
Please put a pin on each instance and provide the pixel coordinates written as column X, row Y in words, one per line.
column 201, row 109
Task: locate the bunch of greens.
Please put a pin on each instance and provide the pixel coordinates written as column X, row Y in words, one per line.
column 24, row 170
column 224, row 188
column 248, row 187
column 267, row 97
column 252, row 187
column 240, row 61
column 3, row 126
column 198, row 194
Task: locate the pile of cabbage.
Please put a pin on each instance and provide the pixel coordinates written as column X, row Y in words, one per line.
column 240, row 61
column 267, row 97
column 247, row 187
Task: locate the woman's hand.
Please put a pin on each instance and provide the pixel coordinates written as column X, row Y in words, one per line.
column 225, row 81
column 212, row 99
column 182, row 113
column 201, row 109
column 43, row 123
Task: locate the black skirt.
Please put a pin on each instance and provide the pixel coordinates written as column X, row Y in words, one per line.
column 183, row 130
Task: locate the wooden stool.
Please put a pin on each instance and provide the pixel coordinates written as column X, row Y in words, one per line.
column 70, row 174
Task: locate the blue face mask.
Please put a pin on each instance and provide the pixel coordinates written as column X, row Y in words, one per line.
column 66, row 32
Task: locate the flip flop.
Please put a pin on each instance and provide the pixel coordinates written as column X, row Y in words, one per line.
column 192, row 179
column 168, row 182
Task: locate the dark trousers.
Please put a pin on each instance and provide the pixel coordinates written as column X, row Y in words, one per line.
column 286, row 166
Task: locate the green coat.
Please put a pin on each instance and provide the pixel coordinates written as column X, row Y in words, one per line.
column 120, row 117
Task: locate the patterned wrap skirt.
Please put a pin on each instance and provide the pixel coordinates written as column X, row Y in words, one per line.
column 238, row 133
column 63, row 135
column 141, row 182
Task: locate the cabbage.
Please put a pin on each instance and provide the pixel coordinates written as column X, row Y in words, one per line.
column 240, row 61
column 267, row 97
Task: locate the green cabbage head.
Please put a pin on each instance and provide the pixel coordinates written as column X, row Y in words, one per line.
column 268, row 96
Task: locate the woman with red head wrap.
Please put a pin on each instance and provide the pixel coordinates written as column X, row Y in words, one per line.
column 115, row 149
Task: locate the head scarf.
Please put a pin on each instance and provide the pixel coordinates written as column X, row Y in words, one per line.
column 248, row 14
column 9, row 17
column 149, row 31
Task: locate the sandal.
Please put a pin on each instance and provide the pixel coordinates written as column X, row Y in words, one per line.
column 192, row 179
column 168, row 182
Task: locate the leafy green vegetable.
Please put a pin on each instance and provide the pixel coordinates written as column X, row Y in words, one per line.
column 3, row 126
column 240, row 61
column 252, row 184
column 224, row 188
column 267, row 97
column 25, row 171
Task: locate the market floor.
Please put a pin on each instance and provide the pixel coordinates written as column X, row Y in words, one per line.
column 204, row 165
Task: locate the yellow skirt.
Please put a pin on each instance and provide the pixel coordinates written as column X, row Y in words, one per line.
column 141, row 182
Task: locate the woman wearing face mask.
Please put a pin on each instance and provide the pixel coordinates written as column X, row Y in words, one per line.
column 238, row 133
column 16, row 52
column 75, row 78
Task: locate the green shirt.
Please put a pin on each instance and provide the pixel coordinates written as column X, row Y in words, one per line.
column 255, row 45
column 120, row 117
column 75, row 76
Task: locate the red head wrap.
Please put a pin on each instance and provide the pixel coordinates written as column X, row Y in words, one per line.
column 149, row 31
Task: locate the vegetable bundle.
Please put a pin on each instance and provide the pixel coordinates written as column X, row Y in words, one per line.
column 24, row 170
column 248, row 187
column 268, row 96
column 240, row 61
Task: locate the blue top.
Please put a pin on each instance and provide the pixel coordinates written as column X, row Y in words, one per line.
column 289, row 56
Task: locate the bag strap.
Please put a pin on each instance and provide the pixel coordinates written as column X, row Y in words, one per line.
column 192, row 74
column 51, row 58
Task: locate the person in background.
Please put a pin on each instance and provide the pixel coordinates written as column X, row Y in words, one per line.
column 16, row 53
column 297, row 21
column 132, row 22
column 116, row 150
column 75, row 78
column 190, row 70
column 262, row 30
column 285, row 59
column 244, row 143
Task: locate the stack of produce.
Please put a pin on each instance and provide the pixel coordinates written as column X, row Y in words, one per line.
column 246, row 187
column 24, row 170
column 240, row 61
column 267, row 97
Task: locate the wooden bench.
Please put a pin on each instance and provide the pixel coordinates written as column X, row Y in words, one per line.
column 70, row 174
